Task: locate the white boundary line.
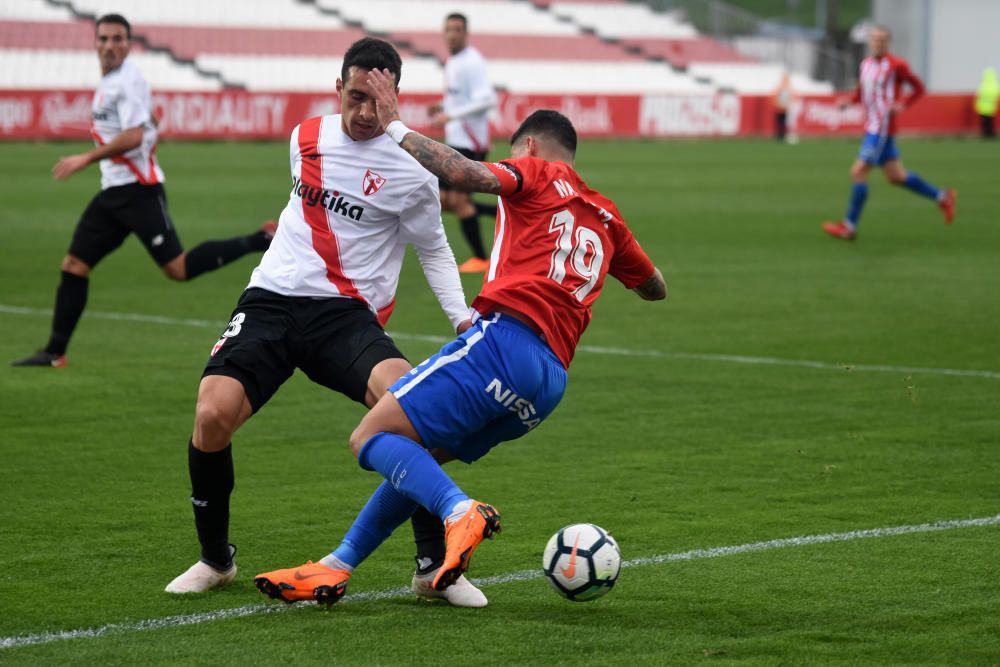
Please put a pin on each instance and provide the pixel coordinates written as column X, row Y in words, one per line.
column 591, row 349
column 512, row 577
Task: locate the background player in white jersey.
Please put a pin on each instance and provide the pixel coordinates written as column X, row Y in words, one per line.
column 464, row 115
column 320, row 296
column 132, row 198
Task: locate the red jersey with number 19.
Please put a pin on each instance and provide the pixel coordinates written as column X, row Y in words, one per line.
column 555, row 241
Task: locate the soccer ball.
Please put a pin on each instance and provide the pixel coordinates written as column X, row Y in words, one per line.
column 582, row 562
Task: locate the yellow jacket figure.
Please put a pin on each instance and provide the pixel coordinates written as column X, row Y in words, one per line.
column 986, row 102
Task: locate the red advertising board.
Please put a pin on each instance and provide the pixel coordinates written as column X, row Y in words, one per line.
column 30, row 114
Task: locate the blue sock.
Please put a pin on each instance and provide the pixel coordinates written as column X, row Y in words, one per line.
column 412, row 471
column 859, row 193
column 382, row 514
column 922, row 187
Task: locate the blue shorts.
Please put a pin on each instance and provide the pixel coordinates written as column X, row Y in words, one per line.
column 878, row 149
column 495, row 382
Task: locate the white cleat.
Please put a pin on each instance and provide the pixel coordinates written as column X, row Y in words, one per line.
column 460, row 594
column 201, row 577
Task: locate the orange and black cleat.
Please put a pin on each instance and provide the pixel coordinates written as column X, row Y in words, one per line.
column 947, row 205
column 462, row 536
column 43, row 358
column 474, row 265
column 312, row 581
column 841, row 230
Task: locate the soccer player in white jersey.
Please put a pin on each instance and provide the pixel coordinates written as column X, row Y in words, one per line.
column 318, row 302
column 464, row 116
column 132, row 199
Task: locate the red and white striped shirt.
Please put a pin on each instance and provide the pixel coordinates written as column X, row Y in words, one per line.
column 880, row 83
column 123, row 101
column 353, row 207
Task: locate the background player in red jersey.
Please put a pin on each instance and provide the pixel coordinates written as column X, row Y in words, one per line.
column 880, row 83
column 556, row 241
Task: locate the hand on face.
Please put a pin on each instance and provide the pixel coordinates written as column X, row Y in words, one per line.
column 383, row 87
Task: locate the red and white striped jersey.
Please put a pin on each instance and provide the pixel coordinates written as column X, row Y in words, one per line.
column 123, row 101
column 880, row 83
column 555, row 242
column 353, row 207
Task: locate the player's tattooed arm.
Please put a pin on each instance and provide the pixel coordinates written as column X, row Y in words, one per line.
column 653, row 288
column 446, row 162
column 440, row 160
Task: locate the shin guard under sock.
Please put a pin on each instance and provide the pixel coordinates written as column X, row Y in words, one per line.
column 412, row 471
column 71, row 298
column 212, row 482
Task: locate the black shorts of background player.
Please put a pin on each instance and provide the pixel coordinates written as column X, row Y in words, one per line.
column 110, row 217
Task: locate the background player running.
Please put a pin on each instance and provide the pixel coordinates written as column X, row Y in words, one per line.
column 321, row 294
column 556, row 240
column 132, row 199
column 880, row 83
column 464, row 115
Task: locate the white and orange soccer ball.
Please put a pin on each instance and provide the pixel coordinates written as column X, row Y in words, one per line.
column 582, row 562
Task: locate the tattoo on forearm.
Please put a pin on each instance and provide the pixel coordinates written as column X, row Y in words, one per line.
column 451, row 165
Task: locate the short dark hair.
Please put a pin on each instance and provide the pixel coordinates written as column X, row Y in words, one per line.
column 369, row 53
column 456, row 16
column 115, row 18
column 550, row 123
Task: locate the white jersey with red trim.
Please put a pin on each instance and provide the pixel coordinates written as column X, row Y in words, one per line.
column 353, row 207
column 123, row 101
column 468, row 99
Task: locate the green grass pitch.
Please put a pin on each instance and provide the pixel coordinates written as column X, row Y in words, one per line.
column 680, row 445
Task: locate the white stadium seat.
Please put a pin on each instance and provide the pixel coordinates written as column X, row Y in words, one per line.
column 516, row 18
column 222, row 13
column 290, row 45
column 624, row 20
column 313, row 74
column 43, row 70
column 755, row 78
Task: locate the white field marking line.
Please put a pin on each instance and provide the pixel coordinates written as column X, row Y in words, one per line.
column 591, row 349
column 511, row 577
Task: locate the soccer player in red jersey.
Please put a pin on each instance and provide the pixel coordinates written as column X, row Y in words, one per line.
column 880, row 82
column 556, row 241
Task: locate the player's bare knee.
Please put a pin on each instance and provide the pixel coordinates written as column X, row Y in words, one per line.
column 896, row 177
column 175, row 269
column 213, row 425
column 358, row 439
column 76, row 266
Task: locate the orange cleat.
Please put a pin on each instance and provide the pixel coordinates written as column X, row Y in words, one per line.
column 312, row 581
column 947, row 205
column 462, row 536
column 270, row 228
column 841, row 230
column 474, row 265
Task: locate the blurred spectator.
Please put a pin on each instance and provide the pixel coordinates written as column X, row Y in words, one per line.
column 986, row 103
column 782, row 100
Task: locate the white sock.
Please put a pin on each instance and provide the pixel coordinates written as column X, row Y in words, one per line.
column 458, row 511
column 335, row 563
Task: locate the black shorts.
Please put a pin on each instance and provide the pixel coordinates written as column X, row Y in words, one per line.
column 115, row 213
column 478, row 156
column 336, row 342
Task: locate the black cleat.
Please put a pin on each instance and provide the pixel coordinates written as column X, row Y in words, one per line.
column 43, row 358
